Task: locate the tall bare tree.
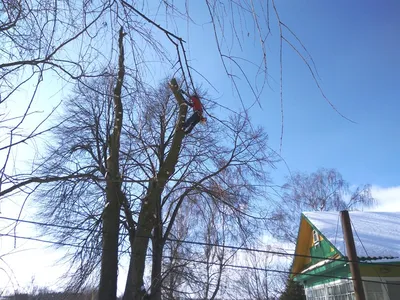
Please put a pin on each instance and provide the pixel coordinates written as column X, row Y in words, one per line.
column 37, row 38
column 255, row 282
column 64, row 40
column 322, row 190
column 111, row 213
column 199, row 173
column 203, row 273
column 209, row 173
column 148, row 177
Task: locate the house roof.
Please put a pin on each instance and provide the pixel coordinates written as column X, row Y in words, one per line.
column 376, row 234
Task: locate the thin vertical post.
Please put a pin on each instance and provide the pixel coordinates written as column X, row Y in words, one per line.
column 352, row 255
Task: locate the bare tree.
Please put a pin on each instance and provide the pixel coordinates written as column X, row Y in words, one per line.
column 111, row 213
column 134, row 196
column 177, row 265
column 65, row 40
column 255, row 282
column 35, row 36
column 199, row 174
column 204, row 275
column 322, row 190
column 216, row 176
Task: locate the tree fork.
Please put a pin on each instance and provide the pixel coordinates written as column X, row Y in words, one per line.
column 134, row 285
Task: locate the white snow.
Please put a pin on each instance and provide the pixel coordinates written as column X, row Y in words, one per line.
column 318, row 264
column 376, row 234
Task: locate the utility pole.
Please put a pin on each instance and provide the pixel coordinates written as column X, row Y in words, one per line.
column 352, row 255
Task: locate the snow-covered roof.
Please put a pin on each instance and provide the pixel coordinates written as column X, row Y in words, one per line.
column 376, row 234
column 317, row 265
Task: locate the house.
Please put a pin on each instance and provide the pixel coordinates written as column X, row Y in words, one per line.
column 320, row 257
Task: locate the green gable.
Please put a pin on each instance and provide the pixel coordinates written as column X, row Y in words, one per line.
column 319, row 252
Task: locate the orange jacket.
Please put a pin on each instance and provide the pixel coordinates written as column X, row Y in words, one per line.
column 196, row 104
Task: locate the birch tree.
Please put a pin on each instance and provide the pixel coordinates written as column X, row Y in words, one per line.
column 322, row 190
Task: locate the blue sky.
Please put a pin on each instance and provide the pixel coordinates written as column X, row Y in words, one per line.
column 354, row 45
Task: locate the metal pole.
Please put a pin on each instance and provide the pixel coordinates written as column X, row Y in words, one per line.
column 352, row 255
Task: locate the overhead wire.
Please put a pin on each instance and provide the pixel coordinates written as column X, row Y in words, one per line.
column 236, row 266
column 273, row 252
column 365, row 250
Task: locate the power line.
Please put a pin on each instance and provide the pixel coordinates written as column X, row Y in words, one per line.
column 47, row 241
column 278, row 253
column 169, row 239
column 45, row 224
column 207, row 262
column 362, row 244
column 274, row 270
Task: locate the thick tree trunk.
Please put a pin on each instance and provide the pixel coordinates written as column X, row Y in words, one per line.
column 109, row 259
column 158, row 246
column 111, row 214
column 134, row 289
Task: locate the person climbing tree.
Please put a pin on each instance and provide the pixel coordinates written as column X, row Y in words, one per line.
column 197, row 115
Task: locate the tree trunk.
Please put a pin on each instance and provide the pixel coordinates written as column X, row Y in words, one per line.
column 134, row 289
column 109, row 259
column 158, row 246
column 111, row 214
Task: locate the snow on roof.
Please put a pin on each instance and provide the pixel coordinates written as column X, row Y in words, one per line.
column 318, row 264
column 376, row 234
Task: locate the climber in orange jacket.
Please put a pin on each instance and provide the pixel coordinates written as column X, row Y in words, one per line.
column 197, row 115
